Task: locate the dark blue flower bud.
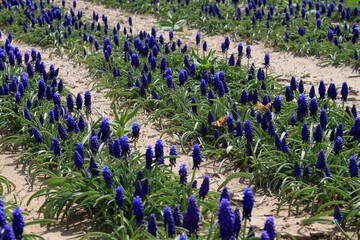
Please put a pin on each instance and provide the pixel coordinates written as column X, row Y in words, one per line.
column 277, row 104
column 78, row 160
column 332, row 92
column 125, row 146
column 107, row 177
column 94, row 144
column 173, row 152
column 94, row 168
column 192, row 217
column 226, row 219
column 302, row 107
column 197, row 159
column 56, row 147
column 288, row 94
column 323, row 118
column 70, row 103
column 305, row 133
column 183, row 174
column 318, row 135
column 159, row 151
column 152, row 226
column 297, row 170
column 88, row 101
column 42, row 88
column 270, row 227
column 248, row 51
column 338, row 145
column 338, row 216
column 70, row 123
column 211, row 118
column 284, row 146
column 344, row 91
column 301, row 86
column 18, row 223
column 8, row 233
column 119, row 198
column 267, row 60
column 248, row 203
column 293, row 84
column 60, row 86
column 353, row 167
column 204, row 188
column 169, row 223
column 37, row 135
column 149, row 157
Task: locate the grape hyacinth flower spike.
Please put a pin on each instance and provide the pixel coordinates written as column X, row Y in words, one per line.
column 192, row 217
column 248, row 203
column 226, row 220
column 204, row 188
column 196, row 156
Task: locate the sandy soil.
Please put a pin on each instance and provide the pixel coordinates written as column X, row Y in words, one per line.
column 77, row 78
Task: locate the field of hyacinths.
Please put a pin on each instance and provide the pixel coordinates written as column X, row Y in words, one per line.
column 302, row 146
column 321, row 28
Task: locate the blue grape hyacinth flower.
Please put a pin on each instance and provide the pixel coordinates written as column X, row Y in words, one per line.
column 138, row 210
column 226, row 221
column 248, row 203
column 204, row 188
column 192, row 217
column 196, row 156
column 107, row 177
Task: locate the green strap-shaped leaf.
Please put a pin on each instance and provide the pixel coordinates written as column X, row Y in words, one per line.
column 233, row 176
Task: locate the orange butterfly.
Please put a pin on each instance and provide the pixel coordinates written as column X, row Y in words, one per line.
column 221, row 122
column 264, row 107
column 47, row 9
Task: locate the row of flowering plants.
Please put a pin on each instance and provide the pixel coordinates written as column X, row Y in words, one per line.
column 88, row 167
column 304, row 142
column 197, row 92
column 303, row 27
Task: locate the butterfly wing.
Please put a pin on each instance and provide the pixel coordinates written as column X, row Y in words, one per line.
column 268, row 106
column 221, row 122
column 264, row 107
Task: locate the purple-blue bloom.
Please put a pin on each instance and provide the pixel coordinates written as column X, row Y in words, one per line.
column 135, row 130
column 173, row 152
column 94, row 168
column 152, row 226
column 56, row 147
column 169, row 223
column 196, row 156
column 149, row 155
column 353, row 167
column 138, row 210
column 204, row 188
column 248, row 203
column 159, row 151
column 226, row 220
column 192, row 217
column 338, row 145
column 125, row 147
column 119, row 198
column 183, row 174
column 18, row 223
column 338, row 216
column 107, row 177
column 177, row 216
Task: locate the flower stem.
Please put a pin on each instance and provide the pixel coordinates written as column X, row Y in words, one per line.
column 244, row 231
